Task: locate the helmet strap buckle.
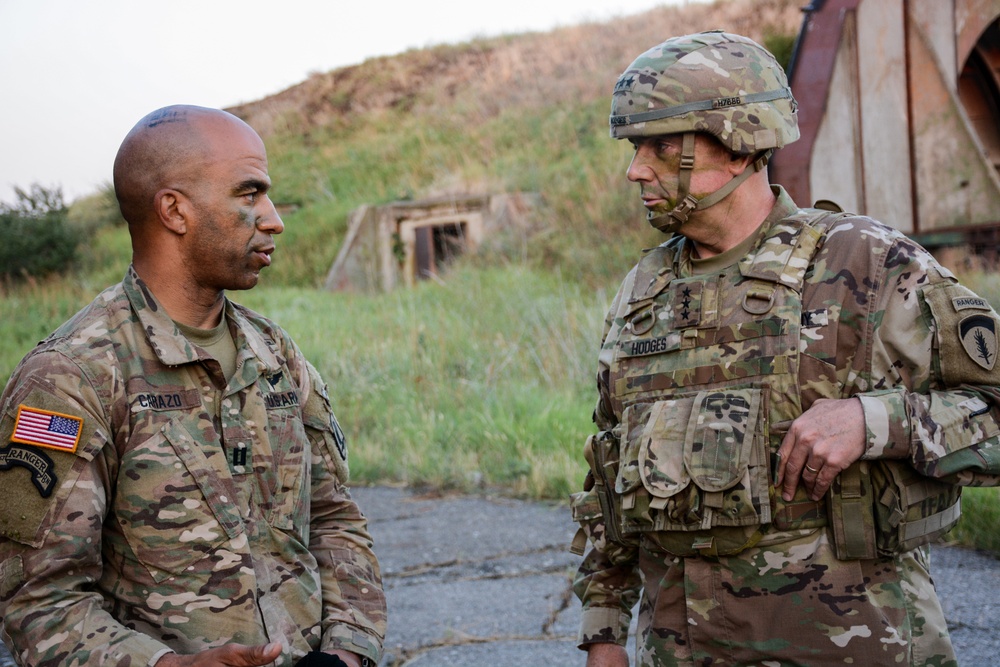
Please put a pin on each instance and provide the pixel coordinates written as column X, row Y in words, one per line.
column 687, row 203
column 761, row 162
column 684, row 208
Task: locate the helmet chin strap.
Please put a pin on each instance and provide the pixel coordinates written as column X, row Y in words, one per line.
column 670, row 222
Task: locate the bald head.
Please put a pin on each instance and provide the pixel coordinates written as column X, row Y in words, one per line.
column 167, row 149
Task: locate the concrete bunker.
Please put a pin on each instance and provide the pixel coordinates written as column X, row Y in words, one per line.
column 401, row 243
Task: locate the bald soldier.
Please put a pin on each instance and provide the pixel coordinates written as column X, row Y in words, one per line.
column 788, row 399
column 171, row 472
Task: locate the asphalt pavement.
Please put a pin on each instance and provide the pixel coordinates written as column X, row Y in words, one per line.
column 485, row 581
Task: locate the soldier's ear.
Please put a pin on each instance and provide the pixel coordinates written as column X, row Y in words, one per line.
column 739, row 163
column 173, row 210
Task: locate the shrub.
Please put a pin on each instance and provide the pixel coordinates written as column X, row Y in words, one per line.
column 37, row 240
column 93, row 212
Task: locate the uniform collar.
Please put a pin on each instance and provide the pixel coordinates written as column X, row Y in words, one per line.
column 756, row 260
column 172, row 348
column 777, row 256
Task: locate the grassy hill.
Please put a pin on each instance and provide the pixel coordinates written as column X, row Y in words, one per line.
column 526, row 112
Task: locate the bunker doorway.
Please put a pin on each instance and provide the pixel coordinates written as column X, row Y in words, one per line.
column 431, row 244
column 436, row 246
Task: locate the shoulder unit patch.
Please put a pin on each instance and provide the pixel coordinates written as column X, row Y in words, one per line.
column 40, row 466
column 979, row 339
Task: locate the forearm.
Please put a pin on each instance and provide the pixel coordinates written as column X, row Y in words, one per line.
column 608, row 592
column 354, row 607
column 942, row 433
column 606, row 655
column 50, row 615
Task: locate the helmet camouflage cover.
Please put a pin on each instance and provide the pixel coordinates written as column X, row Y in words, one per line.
column 715, row 82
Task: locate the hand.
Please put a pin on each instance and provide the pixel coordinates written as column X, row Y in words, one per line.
column 607, row 655
column 824, row 440
column 230, row 655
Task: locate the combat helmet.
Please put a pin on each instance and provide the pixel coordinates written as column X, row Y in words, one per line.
column 715, row 82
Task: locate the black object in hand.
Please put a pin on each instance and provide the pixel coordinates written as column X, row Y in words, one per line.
column 320, row 659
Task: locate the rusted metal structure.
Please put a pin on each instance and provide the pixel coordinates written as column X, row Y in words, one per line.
column 899, row 111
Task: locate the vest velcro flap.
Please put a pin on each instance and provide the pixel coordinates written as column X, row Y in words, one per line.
column 851, row 517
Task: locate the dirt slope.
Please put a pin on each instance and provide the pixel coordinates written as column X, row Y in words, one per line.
column 484, row 76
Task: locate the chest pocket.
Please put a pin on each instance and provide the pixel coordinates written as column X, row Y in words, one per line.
column 283, row 462
column 174, row 506
column 287, row 509
column 696, row 463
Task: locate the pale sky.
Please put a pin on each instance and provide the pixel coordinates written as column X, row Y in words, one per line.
column 76, row 75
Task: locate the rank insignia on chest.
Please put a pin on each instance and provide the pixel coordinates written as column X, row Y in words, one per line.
column 685, row 305
column 44, row 428
column 240, row 456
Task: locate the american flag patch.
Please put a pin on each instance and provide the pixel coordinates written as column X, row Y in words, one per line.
column 47, row 429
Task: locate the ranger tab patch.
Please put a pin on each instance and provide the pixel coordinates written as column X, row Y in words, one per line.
column 44, row 428
column 42, row 468
column 979, row 339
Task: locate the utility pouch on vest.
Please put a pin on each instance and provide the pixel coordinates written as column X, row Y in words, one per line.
column 882, row 508
column 800, row 512
column 594, row 508
column 694, row 471
column 851, row 513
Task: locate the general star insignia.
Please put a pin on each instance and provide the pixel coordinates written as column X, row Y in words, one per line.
column 686, row 303
column 624, row 83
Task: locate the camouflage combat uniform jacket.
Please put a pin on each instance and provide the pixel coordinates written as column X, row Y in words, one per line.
column 699, row 377
column 188, row 513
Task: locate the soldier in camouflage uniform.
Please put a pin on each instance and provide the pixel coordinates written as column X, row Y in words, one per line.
column 789, row 399
column 172, row 472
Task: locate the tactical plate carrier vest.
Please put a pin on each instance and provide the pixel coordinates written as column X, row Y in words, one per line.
column 705, row 373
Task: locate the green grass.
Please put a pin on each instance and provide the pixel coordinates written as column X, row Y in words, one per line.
column 980, row 519
column 30, row 312
column 483, row 381
column 563, row 154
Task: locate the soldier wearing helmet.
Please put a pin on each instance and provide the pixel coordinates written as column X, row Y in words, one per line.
column 789, row 399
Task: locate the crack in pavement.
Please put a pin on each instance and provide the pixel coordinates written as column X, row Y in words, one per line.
column 473, row 580
column 564, row 602
column 406, row 656
column 420, row 569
